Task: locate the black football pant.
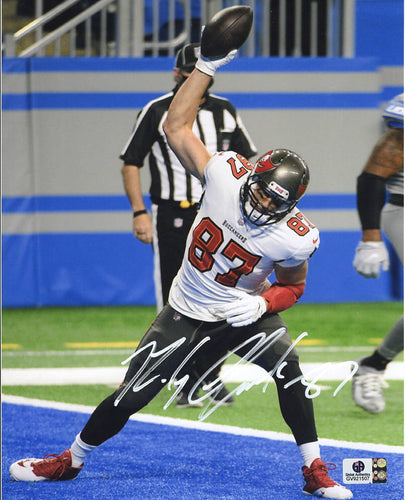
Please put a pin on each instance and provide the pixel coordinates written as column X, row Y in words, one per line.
column 168, row 342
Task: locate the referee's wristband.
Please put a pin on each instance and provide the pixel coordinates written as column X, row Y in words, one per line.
column 139, row 212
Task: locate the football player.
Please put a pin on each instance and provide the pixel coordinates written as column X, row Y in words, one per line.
column 247, row 228
column 384, row 171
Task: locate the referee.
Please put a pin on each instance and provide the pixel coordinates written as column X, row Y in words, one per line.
column 173, row 191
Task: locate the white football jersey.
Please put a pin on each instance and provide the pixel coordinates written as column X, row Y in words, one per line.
column 226, row 256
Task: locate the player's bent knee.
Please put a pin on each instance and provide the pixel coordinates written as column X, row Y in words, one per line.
column 288, row 372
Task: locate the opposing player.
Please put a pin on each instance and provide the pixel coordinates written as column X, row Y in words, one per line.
column 384, row 171
column 248, row 227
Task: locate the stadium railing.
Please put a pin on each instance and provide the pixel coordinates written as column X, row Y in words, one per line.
column 137, row 28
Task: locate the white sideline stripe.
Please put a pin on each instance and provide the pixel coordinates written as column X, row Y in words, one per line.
column 203, row 426
column 229, row 373
column 91, row 352
column 82, row 352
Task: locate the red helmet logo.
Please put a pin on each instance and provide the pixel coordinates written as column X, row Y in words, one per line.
column 264, row 163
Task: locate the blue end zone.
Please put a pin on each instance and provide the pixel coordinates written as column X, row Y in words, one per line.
column 159, row 462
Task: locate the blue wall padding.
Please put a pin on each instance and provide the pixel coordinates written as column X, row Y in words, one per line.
column 116, row 269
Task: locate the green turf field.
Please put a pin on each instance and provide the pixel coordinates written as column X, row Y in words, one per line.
column 105, row 336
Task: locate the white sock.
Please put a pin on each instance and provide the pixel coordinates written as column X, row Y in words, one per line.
column 309, row 452
column 79, row 451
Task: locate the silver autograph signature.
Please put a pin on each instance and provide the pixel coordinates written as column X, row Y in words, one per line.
column 259, row 343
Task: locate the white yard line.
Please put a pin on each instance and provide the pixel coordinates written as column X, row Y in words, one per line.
column 229, row 373
column 203, row 426
column 81, row 352
column 97, row 352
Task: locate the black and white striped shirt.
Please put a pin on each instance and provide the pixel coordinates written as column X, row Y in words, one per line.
column 218, row 125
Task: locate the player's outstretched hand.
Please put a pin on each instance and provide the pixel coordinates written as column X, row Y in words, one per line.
column 209, row 66
column 242, row 312
column 370, row 255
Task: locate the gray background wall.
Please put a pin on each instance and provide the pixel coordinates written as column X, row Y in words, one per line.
column 66, row 122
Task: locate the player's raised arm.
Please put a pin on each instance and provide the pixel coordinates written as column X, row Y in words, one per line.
column 189, row 149
column 221, row 37
column 182, row 112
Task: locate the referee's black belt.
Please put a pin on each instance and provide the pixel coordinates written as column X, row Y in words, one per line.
column 396, row 199
column 184, row 204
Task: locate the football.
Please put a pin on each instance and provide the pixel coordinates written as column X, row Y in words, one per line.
column 227, row 30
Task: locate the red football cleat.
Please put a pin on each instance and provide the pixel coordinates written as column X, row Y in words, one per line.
column 319, row 484
column 49, row 468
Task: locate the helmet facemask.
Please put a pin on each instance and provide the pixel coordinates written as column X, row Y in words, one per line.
column 259, row 214
column 280, row 175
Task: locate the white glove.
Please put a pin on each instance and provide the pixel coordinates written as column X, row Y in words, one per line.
column 369, row 256
column 242, row 312
column 209, row 66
